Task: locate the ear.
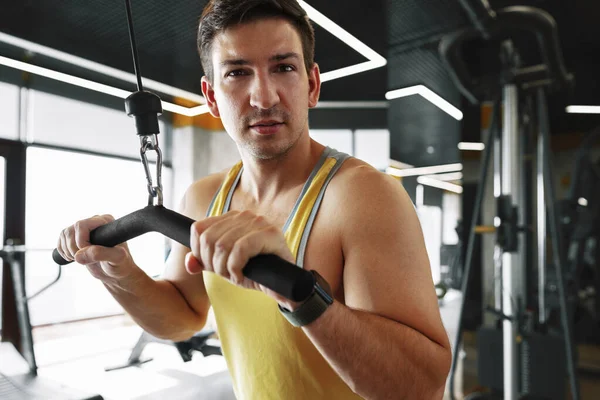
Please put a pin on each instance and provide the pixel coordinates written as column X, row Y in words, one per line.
column 314, row 86
column 209, row 95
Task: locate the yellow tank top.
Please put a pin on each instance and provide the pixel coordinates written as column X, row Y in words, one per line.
column 266, row 356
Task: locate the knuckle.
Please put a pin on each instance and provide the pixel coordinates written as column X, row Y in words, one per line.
column 247, row 214
column 239, row 247
column 272, row 230
column 205, row 239
column 69, row 232
column 197, row 227
column 260, row 220
column 221, row 245
column 78, row 226
column 81, row 233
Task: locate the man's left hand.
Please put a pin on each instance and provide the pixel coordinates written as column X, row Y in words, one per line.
column 225, row 244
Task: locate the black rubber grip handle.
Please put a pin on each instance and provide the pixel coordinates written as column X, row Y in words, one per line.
column 508, row 20
column 269, row 270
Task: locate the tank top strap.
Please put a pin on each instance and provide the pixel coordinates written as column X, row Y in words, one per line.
column 300, row 221
column 305, row 212
column 222, row 199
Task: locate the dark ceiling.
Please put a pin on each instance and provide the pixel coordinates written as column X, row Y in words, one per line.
column 406, row 32
column 166, row 38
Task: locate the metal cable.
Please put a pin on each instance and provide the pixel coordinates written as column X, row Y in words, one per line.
column 134, row 52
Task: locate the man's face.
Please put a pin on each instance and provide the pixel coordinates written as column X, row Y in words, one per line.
column 261, row 90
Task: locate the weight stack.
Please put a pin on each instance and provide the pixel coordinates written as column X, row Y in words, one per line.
column 542, row 361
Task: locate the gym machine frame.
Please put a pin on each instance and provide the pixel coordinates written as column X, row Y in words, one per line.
column 509, row 189
column 26, row 383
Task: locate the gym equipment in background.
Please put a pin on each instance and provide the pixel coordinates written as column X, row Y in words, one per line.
column 200, row 342
column 580, row 220
column 18, row 373
column 520, row 92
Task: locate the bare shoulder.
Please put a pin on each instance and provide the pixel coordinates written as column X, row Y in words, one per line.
column 358, row 188
column 354, row 169
column 199, row 195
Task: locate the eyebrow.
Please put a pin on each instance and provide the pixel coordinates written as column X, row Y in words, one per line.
column 285, row 56
column 276, row 57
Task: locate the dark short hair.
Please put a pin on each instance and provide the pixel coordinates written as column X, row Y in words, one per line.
column 219, row 15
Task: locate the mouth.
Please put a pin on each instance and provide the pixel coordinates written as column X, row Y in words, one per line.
column 266, row 127
column 266, row 124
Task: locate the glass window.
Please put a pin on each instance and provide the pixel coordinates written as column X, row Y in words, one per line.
column 65, row 122
column 2, row 212
column 62, row 188
column 339, row 139
column 451, row 205
column 431, row 224
column 2, row 200
column 373, row 147
column 9, row 111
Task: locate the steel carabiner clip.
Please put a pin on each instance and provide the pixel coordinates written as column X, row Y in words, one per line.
column 150, row 142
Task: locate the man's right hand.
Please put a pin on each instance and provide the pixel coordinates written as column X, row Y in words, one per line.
column 108, row 264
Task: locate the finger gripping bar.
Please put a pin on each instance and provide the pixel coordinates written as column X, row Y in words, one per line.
column 269, row 270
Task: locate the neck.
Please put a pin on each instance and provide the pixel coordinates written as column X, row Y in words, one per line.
column 265, row 179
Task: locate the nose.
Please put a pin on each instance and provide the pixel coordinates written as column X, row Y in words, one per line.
column 264, row 93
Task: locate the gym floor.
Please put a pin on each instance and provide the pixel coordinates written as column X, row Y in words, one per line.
column 76, row 355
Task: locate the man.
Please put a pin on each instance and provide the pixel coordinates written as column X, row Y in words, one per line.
column 371, row 328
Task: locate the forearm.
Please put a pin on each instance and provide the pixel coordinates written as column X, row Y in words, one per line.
column 380, row 358
column 157, row 306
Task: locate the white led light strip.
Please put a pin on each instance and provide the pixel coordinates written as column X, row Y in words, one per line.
column 352, row 104
column 471, row 146
column 98, row 87
column 429, row 95
column 583, row 109
column 375, row 61
column 451, row 176
column 434, row 169
column 425, row 180
column 399, row 164
column 100, row 68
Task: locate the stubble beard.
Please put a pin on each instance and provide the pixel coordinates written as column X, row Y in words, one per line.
column 274, row 147
column 270, row 148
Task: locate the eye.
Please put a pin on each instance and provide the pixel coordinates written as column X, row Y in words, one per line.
column 285, row 68
column 236, row 72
